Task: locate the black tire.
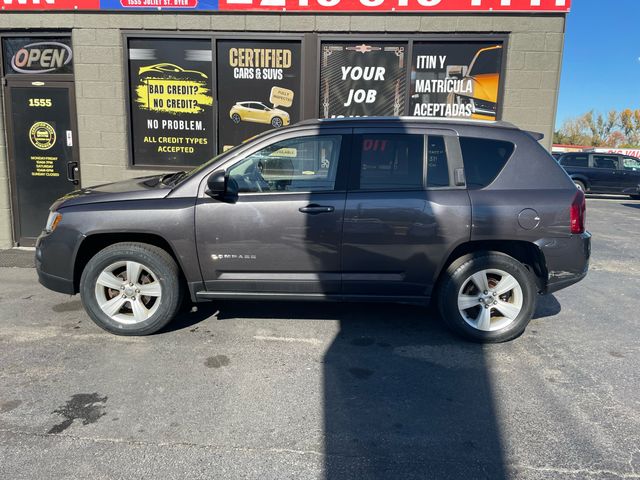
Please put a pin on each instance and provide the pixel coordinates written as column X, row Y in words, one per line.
column 162, row 266
column 459, row 273
column 236, row 118
column 276, row 122
column 580, row 185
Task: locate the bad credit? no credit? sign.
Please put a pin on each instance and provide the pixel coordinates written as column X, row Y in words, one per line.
column 419, row 6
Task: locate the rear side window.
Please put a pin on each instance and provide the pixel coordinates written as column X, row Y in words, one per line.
column 600, row 161
column 631, row 163
column 575, row 161
column 483, row 159
column 390, row 161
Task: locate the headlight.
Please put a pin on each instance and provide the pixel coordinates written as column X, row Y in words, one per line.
column 52, row 221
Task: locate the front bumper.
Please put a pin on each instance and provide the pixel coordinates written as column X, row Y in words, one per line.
column 567, row 260
column 48, row 279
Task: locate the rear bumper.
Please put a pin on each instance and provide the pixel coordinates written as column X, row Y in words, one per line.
column 567, row 260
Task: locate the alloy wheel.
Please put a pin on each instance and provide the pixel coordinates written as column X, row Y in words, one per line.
column 490, row 300
column 128, row 292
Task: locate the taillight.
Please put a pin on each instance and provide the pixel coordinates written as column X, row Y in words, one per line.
column 578, row 212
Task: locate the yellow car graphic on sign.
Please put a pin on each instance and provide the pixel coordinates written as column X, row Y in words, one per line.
column 484, row 76
column 168, row 68
column 258, row 113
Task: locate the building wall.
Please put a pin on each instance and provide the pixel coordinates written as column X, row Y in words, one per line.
column 531, row 85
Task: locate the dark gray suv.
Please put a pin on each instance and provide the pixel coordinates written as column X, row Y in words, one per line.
column 475, row 216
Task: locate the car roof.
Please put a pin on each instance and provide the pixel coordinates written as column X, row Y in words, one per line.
column 412, row 121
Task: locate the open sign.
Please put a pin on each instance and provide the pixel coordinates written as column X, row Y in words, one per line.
column 41, row 57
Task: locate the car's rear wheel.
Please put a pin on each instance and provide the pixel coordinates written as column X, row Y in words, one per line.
column 131, row 288
column 487, row 297
column 276, row 122
column 580, row 186
column 236, row 118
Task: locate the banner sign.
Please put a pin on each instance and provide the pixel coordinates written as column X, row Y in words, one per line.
column 362, row 79
column 421, row 6
column 29, row 55
column 171, row 99
column 155, row 5
column 258, row 88
column 43, row 5
column 456, row 79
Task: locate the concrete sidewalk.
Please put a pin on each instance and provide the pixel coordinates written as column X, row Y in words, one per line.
column 17, row 258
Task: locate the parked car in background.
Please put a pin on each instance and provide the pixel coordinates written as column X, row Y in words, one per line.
column 603, row 172
column 360, row 209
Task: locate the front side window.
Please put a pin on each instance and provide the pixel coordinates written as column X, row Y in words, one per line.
column 305, row 164
column 600, row 161
column 632, row 164
column 390, row 161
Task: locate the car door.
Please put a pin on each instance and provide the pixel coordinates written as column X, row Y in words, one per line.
column 605, row 176
column 281, row 236
column 631, row 175
column 254, row 112
column 403, row 212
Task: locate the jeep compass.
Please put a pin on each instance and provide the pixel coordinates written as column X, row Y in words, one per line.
column 473, row 217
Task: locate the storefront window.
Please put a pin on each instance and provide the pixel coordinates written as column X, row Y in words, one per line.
column 362, row 79
column 456, row 79
column 36, row 55
column 258, row 88
column 171, row 101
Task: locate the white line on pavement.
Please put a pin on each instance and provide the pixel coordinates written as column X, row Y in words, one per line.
column 312, row 341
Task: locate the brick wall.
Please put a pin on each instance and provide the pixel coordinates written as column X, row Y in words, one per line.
column 532, row 76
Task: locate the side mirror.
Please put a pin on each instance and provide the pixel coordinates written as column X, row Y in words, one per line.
column 217, row 185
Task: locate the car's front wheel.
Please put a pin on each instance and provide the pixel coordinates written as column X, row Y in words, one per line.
column 488, row 297
column 131, row 288
column 276, row 122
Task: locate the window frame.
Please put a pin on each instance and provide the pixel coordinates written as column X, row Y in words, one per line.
column 592, row 161
column 572, row 156
column 452, row 149
column 489, row 138
column 629, row 157
column 340, row 185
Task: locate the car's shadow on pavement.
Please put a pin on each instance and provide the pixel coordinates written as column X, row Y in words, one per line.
column 403, row 397
column 631, row 205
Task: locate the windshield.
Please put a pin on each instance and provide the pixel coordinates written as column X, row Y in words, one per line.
column 487, row 62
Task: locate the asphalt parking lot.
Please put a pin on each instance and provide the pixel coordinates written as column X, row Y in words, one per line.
column 333, row 391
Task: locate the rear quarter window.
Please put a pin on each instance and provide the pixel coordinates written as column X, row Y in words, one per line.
column 483, row 159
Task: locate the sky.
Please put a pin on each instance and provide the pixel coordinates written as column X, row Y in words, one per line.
column 601, row 64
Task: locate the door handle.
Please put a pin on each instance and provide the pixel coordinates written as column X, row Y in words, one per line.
column 314, row 209
column 72, row 170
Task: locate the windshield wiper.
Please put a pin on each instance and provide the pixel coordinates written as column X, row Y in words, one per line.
column 172, row 178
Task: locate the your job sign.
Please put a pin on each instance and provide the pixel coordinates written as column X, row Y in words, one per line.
column 362, row 79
